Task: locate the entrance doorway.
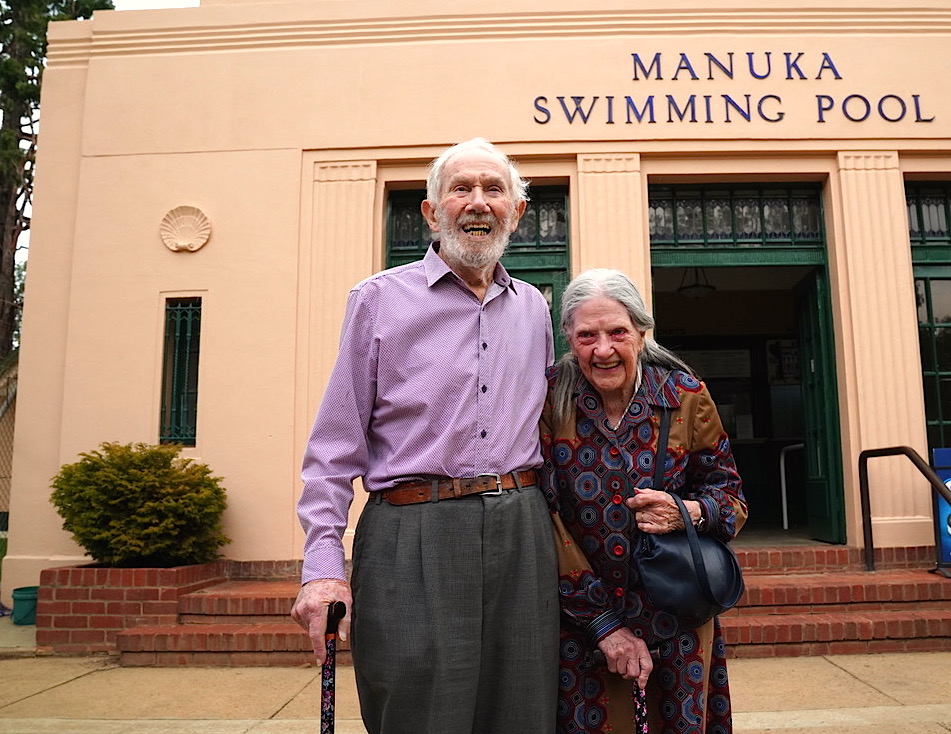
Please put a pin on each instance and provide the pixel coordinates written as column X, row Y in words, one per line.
column 760, row 333
column 760, row 337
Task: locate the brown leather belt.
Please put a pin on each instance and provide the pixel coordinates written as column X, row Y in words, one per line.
column 411, row 493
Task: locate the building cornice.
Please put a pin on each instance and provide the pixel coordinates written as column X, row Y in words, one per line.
column 209, row 30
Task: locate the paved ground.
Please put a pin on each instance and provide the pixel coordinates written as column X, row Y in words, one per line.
column 842, row 694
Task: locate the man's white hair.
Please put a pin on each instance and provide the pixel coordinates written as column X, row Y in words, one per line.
column 517, row 185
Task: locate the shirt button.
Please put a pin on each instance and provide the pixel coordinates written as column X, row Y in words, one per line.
column 618, row 550
column 484, row 388
column 482, row 434
column 617, row 499
column 484, row 345
column 614, row 451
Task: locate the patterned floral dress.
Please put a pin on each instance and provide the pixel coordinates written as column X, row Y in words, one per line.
column 591, row 468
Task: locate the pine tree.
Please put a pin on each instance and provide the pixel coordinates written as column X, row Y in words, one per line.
column 23, row 25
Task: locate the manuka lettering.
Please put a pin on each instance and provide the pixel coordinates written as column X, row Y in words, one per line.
column 787, row 65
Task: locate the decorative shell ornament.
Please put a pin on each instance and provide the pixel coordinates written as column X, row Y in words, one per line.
column 185, row 228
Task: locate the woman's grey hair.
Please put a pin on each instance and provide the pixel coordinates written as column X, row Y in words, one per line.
column 517, row 185
column 615, row 285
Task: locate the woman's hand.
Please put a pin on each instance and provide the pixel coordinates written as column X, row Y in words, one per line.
column 656, row 512
column 627, row 655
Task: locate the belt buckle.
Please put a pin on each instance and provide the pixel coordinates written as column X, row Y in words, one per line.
column 498, row 484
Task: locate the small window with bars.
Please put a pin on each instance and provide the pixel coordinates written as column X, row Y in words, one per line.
column 180, row 371
column 929, row 221
column 719, row 216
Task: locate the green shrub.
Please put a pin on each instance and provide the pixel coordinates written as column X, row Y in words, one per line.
column 141, row 505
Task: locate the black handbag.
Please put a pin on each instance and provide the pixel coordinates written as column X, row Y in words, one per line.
column 694, row 577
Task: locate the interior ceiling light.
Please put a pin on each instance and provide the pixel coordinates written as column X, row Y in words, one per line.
column 698, row 287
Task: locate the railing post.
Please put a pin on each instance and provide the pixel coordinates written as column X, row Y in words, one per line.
column 926, row 471
column 866, row 512
column 782, row 479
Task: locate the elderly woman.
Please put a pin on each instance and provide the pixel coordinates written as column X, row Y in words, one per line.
column 599, row 437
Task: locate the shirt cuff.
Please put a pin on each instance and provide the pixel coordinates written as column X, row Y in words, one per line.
column 324, row 563
column 603, row 625
column 710, row 510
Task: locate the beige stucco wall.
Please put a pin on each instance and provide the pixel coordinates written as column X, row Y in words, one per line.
column 286, row 122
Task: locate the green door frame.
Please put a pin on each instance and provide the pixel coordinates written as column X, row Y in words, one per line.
column 933, row 336
column 824, row 504
column 929, row 232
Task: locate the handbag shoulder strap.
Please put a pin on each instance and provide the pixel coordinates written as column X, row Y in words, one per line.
column 700, row 567
column 660, row 459
column 660, row 456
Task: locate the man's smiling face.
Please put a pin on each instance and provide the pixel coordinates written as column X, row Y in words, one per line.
column 476, row 213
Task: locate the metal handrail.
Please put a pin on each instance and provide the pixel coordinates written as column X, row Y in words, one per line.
column 782, row 479
column 926, row 471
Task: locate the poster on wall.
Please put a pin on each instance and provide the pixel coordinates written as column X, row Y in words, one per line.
column 941, row 459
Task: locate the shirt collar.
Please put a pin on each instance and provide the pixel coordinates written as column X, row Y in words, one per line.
column 436, row 269
column 655, row 389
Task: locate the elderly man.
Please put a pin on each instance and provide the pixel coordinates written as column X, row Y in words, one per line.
column 434, row 401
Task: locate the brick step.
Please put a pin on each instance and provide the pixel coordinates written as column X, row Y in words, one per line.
column 233, row 618
column 844, row 591
column 818, row 558
column 800, row 600
column 258, row 644
column 226, row 659
column 791, row 635
column 241, row 599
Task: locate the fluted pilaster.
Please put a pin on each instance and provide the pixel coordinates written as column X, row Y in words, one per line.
column 611, row 206
column 876, row 254
column 338, row 255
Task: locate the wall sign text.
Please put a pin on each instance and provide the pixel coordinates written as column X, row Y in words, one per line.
column 781, row 68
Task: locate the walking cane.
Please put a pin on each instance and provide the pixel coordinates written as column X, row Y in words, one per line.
column 335, row 613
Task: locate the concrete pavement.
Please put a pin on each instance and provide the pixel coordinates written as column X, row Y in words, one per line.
column 839, row 694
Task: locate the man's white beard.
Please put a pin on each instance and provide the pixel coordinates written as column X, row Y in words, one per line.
column 472, row 254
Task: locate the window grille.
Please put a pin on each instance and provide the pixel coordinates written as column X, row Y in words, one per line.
column 929, row 214
column 773, row 220
column 180, row 371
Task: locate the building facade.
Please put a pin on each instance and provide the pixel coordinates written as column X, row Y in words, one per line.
column 211, row 182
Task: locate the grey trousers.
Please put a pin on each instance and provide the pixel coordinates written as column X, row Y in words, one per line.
column 455, row 616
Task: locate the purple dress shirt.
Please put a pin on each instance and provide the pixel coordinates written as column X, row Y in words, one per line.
column 428, row 381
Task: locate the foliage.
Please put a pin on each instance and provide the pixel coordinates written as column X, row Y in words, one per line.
column 23, row 25
column 141, row 505
column 19, row 285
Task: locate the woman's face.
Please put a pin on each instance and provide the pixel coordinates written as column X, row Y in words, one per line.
column 607, row 346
